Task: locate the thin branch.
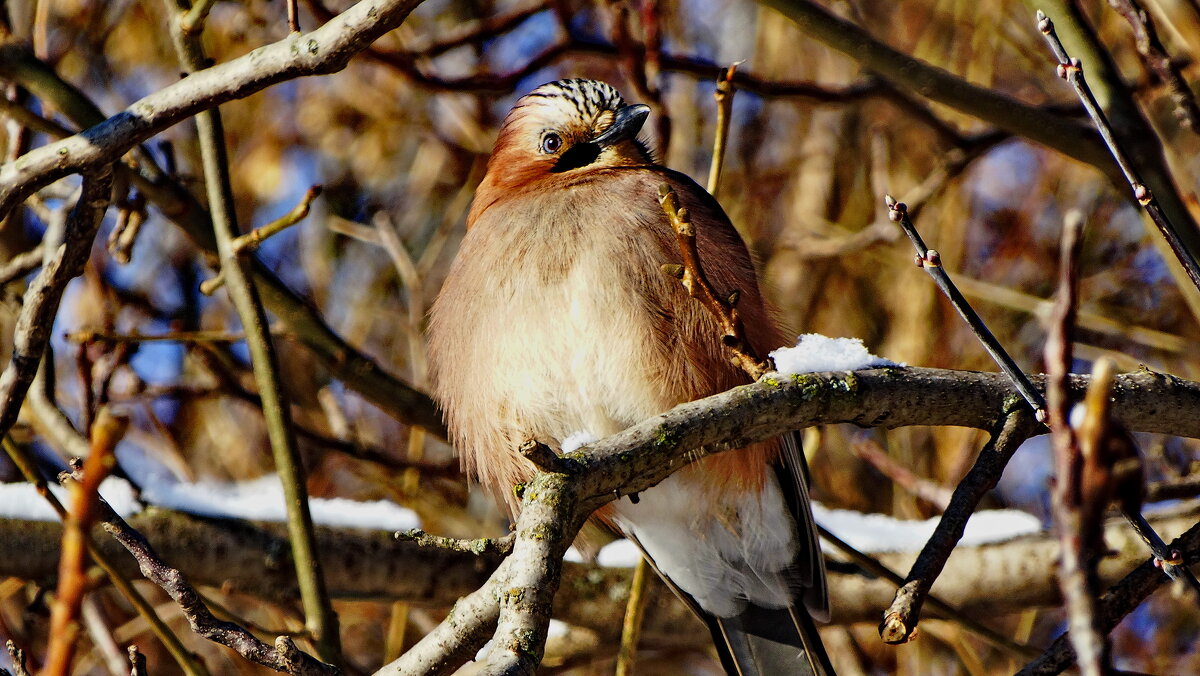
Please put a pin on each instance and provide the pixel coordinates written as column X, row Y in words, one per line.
column 17, row 656
column 1175, row 489
column 477, row 547
column 25, row 462
column 929, row 491
column 325, row 50
column 911, row 74
column 192, row 21
column 20, row 265
column 1120, row 600
column 320, row 618
column 691, row 274
column 64, row 263
column 137, row 662
column 1079, row 532
column 1071, row 70
column 931, row 262
column 940, row 607
column 293, row 16
column 724, row 97
column 635, row 611
column 282, row 657
column 251, row 240
column 901, row 618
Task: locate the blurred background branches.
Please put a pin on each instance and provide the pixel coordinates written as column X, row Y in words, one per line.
column 951, row 106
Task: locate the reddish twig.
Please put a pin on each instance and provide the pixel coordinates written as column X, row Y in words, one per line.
column 72, row 569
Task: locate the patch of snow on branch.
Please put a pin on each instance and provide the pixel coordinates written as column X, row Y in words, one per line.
column 576, row 441
column 815, row 353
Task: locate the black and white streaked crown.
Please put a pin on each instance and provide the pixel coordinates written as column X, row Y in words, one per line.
column 590, row 97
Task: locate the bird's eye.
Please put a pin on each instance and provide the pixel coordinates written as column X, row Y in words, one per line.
column 551, row 143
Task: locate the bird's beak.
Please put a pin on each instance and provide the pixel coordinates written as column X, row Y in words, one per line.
column 627, row 122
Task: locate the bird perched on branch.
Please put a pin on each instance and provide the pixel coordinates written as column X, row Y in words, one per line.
column 556, row 320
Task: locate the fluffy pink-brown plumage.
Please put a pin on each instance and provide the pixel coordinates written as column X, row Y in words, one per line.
column 557, row 321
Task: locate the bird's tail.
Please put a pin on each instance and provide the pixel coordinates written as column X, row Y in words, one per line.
column 770, row 642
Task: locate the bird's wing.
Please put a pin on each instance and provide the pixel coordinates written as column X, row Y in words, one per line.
column 809, row 567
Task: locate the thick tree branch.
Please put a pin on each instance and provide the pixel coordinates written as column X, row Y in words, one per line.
column 243, row 558
column 936, row 84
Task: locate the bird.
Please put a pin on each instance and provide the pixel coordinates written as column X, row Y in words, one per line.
column 556, row 322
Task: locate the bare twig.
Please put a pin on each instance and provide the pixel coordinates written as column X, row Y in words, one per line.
column 176, row 201
column 1176, row 489
column 17, row 656
column 324, row 50
column 28, row 467
column 192, row 21
column 1120, row 599
column 251, row 240
column 283, row 657
column 20, row 265
column 929, row 491
column 691, row 274
column 635, row 611
column 940, row 607
column 1078, row 531
column 84, row 336
column 724, row 96
column 931, row 262
column 320, row 618
column 477, row 547
column 293, row 17
column 901, row 618
column 1071, row 70
column 1154, row 56
column 137, row 662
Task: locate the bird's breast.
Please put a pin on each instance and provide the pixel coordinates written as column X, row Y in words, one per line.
column 545, row 329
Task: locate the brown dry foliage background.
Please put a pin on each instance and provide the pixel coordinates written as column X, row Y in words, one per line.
column 803, row 180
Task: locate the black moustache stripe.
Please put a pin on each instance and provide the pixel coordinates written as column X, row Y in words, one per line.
column 577, row 156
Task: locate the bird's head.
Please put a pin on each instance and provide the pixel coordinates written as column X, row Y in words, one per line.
column 565, row 127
